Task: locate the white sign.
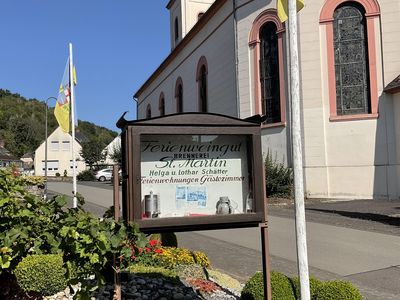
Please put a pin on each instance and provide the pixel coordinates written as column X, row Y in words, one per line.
column 191, row 175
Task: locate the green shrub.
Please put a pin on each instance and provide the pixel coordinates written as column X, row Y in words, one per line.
column 167, row 239
column 338, row 290
column 224, row 280
column 154, row 272
column 280, row 286
column 30, row 225
column 58, row 174
column 190, row 271
column 42, row 273
column 315, row 285
column 278, row 178
column 86, row 175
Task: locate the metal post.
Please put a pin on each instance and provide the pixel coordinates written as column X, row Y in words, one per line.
column 117, row 279
column 301, row 239
column 45, row 150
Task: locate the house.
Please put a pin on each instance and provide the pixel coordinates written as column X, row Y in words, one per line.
column 27, row 160
column 59, row 155
column 231, row 57
column 7, row 159
column 114, row 145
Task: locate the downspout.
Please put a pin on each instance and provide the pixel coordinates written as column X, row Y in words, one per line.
column 236, row 60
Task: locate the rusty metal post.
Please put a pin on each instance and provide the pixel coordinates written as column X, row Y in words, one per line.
column 117, row 279
column 265, row 244
column 266, row 260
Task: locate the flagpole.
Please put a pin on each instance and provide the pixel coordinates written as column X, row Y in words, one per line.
column 71, row 80
column 301, row 239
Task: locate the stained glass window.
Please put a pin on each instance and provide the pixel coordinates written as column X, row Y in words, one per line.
column 269, row 73
column 203, row 89
column 180, row 99
column 148, row 112
column 162, row 107
column 351, row 60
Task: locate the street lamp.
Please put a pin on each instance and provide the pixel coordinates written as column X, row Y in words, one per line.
column 45, row 151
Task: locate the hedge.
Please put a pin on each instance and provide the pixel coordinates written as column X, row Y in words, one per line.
column 42, row 273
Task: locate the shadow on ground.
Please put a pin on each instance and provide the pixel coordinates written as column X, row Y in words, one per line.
column 384, row 219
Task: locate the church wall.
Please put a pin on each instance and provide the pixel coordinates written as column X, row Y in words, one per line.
column 274, row 139
column 216, row 42
column 349, row 159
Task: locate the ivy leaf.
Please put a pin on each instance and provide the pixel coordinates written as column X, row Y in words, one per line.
column 5, row 261
column 94, row 258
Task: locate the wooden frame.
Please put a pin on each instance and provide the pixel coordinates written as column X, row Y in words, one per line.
column 188, row 124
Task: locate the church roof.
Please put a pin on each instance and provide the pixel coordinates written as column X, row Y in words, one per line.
column 393, row 87
column 191, row 34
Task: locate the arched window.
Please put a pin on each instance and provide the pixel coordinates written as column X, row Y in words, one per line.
column 351, row 60
column 266, row 45
column 201, row 78
column 161, row 105
column 269, row 73
column 179, row 95
column 176, row 29
column 199, row 15
column 148, row 111
column 351, row 54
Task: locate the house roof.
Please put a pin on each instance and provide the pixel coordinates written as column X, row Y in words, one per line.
column 6, row 155
column 191, row 34
column 393, row 87
column 28, row 155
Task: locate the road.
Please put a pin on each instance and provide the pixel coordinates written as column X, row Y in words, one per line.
column 369, row 259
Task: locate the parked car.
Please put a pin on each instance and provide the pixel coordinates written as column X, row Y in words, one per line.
column 103, row 175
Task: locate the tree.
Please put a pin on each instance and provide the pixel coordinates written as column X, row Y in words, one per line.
column 92, row 152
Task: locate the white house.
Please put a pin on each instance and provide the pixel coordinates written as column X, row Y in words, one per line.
column 59, row 155
column 113, row 146
column 231, row 57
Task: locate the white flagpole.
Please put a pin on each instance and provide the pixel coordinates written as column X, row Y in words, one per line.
column 301, row 239
column 71, row 80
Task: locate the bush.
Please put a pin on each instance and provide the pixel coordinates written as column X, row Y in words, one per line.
column 280, row 286
column 167, row 239
column 278, row 178
column 58, row 174
column 42, row 273
column 225, row 280
column 170, row 257
column 338, row 290
column 30, row 225
column 86, row 175
column 190, row 271
column 315, row 285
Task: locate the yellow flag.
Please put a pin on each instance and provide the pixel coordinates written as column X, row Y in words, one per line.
column 283, row 11
column 62, row 111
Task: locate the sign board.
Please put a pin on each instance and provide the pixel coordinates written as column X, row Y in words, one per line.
column 195, row 175
column 192, row 172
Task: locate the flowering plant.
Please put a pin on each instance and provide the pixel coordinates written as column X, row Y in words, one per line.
column 132, row 253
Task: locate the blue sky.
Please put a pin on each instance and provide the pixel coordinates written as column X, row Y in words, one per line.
column 116, row 45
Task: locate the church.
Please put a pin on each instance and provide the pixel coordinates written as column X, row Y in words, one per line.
column 231, row 57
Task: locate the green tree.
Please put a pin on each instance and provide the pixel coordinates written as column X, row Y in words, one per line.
column 92, row 152
column 22, row 124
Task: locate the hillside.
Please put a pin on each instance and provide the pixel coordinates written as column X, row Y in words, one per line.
column 22, row 124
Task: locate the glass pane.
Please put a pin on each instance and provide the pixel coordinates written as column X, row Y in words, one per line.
column 351, row 60
column 269, row 73
column 195, row 175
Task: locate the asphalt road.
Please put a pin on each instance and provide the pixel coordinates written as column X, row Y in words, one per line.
column 369, row 258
